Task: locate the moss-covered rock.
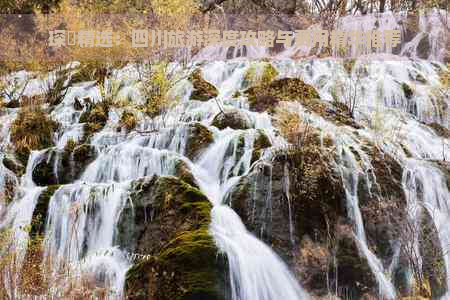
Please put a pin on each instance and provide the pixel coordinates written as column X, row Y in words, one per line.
column 13, row 165
column 199, row 139
column 378, row 199
column 232, row 118
column 61, row 167
column 353, row 272
column 433, row 264
column 39, row 218
column 10, row 184
column 260, row 73
column 296, row 195
column 31, row 130
column 95, row 118
column 128, row 120
column 202, row 89
column 261, row 142
column 183, row 172
column 440, row 130
column 267, row 95
column 184, row 260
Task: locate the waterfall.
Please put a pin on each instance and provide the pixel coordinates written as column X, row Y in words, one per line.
column 82, row 215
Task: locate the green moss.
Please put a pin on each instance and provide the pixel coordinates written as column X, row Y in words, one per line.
column 261, row 142
column 237, row 94
column 183, row 263
column 407, row 90
column 184, row 173
column 233, row 119
column 199, row 139
column 39, row 218
column 267, row 75
column 267, row 95
column 202, row 90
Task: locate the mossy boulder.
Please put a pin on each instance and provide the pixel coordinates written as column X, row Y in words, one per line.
column 94, row 119
column 31, row 130
column 232, row 118
column 61, row 167
column 168, row 220
column 316, row 195
column 202, row 89
column 199, row 139
column 267, row 95
column 39, row 218
column 260, row 143
column 12, row 164
column 433, row 263
column 10, row 185
column 183, row 172
column 378, row 197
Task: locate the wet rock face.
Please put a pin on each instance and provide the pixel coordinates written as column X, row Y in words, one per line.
column 199, row 139
column 234, row 119
column 295, row 205
column 424, row 47
column 202, row 90
column 433, row 254
column 379, row 199
column 168, row 220
column 352, row 270
column 61, row 167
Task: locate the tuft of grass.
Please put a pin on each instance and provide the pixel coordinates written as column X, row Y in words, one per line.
column 32, row 130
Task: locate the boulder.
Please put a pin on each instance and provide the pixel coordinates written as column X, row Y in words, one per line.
column 199, row 139
column 267, row 95
column 232, row 118
column 169, row 221
column 202, row 89
column 61, row 167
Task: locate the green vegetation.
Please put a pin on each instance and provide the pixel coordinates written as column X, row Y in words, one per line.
column 128, row 120
column 267, row 95
column 95, row 118
column 260, row 73
column 202, row 90
column 183, row 262
column 31, row 130
column 232, row 118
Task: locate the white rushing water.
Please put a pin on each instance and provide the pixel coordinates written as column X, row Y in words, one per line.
column 83, row 215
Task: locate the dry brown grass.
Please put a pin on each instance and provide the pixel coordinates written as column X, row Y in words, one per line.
column 31, row 130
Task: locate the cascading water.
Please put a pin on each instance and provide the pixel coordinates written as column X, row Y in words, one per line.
column 83, row 215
